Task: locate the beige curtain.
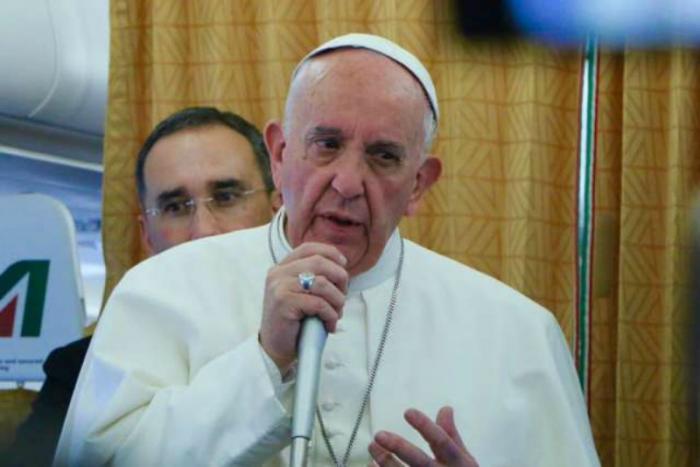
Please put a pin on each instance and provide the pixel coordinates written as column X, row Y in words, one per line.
column 507, row 202
column 647, row 165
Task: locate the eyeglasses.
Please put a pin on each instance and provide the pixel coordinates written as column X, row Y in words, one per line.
column 223, row 204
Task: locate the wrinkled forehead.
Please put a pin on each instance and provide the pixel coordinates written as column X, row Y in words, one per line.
column 358, row 92
column 338, row 67
column 315, row 67
column 382, row 46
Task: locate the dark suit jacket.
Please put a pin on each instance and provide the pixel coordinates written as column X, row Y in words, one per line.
column 37, row 436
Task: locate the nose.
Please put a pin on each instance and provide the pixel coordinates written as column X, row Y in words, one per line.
column 203, row 224
column 349, row 178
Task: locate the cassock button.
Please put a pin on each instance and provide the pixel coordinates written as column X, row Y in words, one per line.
column 334, row 433
column 328, row 406
column 331, row 365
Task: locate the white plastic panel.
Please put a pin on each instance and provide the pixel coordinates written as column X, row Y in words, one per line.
column 27, row 56
column 57, row 52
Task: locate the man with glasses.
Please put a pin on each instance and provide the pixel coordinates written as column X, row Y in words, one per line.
column 200, row 172
column 195, row 178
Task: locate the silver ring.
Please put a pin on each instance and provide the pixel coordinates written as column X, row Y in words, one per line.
column 306, row 280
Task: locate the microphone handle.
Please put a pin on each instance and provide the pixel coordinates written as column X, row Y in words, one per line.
column 312, row 340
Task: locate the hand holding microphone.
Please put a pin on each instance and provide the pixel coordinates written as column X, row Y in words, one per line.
column 286, row 303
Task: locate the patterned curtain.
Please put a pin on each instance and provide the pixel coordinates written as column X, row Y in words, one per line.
column 646, row 167
column 506, row 204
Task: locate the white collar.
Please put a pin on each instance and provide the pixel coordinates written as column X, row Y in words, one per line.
column 385, row 268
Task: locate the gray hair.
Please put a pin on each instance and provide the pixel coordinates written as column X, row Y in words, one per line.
column 429, row 130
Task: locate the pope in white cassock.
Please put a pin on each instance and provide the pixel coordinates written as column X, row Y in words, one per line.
column 428, row 362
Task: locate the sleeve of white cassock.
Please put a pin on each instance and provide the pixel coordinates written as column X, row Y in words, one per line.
column 136, row 403
column 571, row 442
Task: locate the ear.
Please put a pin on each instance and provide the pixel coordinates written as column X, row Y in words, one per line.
column 428, row 173
column 275, row 201
column 145, row 238
column 275, row 143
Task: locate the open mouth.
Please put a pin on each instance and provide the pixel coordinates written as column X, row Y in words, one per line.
column 341, row 221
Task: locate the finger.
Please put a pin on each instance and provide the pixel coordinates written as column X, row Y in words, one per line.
column 446, row 420
column 381, row 457
column 402, row 449
column 444, row 448
column 325, row 289
column 315, row 248
column 311, row 305
column 320, row 266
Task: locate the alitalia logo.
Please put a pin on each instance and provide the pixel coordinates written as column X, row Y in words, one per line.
column 36, row 273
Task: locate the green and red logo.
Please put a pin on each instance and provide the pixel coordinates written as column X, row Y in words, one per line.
column 37, row 274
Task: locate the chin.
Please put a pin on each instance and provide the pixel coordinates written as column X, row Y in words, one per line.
column 359, row 262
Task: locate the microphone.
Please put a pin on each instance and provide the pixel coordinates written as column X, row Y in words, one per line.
column 312, row 339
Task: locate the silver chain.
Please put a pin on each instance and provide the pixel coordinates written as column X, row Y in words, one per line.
column 375, row 366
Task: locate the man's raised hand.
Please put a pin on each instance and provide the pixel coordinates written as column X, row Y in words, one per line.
column 448, row 449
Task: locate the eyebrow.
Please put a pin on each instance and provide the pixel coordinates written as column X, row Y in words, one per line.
column 388, row 146
column 323, row 131
column 167, row 195
column 227, row 183
column 376, row 146
column 181, row 192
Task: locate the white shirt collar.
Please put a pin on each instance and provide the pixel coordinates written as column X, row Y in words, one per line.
column 385, row 268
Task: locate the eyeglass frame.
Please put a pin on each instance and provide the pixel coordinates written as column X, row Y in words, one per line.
column 192, row 202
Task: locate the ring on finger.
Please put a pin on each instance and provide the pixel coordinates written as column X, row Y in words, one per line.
column 306, row 281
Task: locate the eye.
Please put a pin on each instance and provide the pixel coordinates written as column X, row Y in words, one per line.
column 176, row 207
column 225, row 197
column 386, row 158
column 328, row 144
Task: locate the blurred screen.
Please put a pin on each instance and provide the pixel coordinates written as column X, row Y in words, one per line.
column 694, row 329
column 615, row 22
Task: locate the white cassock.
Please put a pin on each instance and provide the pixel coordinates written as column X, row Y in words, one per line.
column 175, row 374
